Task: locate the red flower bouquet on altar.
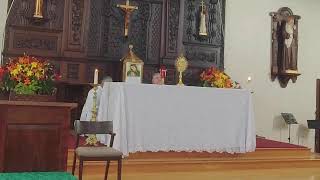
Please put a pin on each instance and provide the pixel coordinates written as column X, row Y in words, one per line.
column 213, row 77
column 28, row 76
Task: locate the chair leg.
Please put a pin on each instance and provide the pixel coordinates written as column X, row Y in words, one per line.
column 119, row 168
column 80, row 169
column 74, row 163
column 107, row 170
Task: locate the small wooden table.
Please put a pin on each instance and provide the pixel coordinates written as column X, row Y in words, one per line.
column 33, row 135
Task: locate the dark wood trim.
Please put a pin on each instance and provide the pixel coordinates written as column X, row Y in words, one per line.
column 317, row 131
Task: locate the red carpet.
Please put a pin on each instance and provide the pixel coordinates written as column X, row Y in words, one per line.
column 261, row 143
column 266, row 143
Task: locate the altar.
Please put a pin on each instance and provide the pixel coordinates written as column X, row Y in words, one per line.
column 178, row 118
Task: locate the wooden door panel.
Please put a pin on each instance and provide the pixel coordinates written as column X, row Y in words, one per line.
column 33, row 147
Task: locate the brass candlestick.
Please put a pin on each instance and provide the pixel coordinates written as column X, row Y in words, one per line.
column 92, row 138
column 181, row 66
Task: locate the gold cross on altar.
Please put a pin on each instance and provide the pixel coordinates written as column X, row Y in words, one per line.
column 127, row 10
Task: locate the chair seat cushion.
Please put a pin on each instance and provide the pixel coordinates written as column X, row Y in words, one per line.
column 102, row 151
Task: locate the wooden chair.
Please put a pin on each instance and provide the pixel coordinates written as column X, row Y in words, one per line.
column 96, row 153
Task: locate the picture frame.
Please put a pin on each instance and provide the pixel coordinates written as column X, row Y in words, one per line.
column 132, row 70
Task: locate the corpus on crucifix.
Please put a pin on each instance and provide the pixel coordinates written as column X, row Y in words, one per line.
column 127, row 10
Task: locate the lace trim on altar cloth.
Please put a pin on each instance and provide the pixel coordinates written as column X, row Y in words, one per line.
column 209, row 149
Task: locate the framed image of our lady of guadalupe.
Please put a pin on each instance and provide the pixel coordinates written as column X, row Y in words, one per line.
column 132, row 71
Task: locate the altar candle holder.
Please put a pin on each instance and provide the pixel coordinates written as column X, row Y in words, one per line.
column 92, row 138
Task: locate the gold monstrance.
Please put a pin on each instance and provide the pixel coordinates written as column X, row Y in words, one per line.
column 38, row 9
column 181, row 66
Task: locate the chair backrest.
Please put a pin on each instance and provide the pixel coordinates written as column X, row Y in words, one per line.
column 93, row 127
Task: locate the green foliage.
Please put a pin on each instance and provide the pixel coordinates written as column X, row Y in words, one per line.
column 7, row 84
column 30, row 89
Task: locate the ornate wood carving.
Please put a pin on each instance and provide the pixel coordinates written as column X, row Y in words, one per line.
column 154, row 37
column 95, row 28
column 74, row 29
column 75, row 24
column 204, row 51
column 23, row 14
column 173, row 26
column 73, row 71
column 33, row 42
column 76, row 21
column 55, row 11
column 80, row 35
column 139, row 30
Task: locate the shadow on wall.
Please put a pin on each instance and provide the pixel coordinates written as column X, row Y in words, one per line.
column 279, row 125
column 302, row 134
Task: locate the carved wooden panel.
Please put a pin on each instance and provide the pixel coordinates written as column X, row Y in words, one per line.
column 204, row 51
column 96, row 27
column 173, row 10
column 154, row 34
column 22, row 12
column 76, row 21
column 73, row 71
column 33, row 42
column 81, row 35
column 144, row 31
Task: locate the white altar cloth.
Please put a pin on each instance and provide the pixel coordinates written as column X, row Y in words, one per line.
column 171, row 118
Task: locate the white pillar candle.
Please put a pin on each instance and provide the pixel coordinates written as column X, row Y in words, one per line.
column 96, row 76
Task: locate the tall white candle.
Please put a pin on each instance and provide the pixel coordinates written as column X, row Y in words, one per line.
column 96, row 76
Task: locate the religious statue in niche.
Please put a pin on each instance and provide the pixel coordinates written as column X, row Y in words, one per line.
column 203, row 24
column 284, row 60
column 128, row 9
column 38, row 9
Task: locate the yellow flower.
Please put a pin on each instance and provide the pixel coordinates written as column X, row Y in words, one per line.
column 15, row 72
column 29, row 73
column 34, row 65
column 19, row 67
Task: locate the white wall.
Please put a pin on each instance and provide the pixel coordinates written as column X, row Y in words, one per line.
column 3, row 13
column 247, row 53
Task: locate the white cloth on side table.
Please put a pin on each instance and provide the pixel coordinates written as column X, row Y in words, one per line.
column 172, row 118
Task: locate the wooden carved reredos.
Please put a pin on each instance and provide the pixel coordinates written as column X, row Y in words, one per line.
column 81, row 35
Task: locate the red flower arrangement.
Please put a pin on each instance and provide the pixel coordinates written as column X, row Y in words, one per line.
column 214, row 77
column 28, row 75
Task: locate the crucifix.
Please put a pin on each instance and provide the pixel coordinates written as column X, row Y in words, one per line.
column 127, row 10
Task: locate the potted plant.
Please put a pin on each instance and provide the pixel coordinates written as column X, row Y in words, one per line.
column 28, row 78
